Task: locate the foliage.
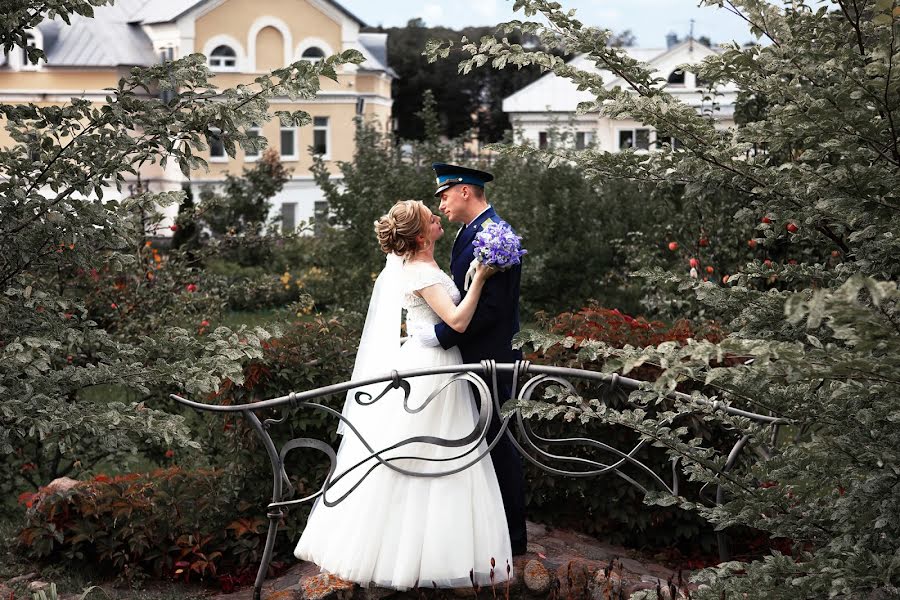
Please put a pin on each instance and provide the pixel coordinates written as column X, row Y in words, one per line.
column 380, row 174
column 169, row 523
column 816, row 343
column 311, row 353
column 243, row 203
column 575, row 502
column 59, row 225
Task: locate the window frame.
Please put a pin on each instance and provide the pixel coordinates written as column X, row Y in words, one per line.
column 253, row 157
column 682, row 83
column 313, row 59
column 293, row 211
column 294, row 134
column 222, row 68
column 633, row 130
column 217, row 159
column 327, row 129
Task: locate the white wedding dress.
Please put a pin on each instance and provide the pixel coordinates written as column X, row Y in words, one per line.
column 396, row 530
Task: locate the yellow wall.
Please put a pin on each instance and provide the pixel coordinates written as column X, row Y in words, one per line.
column 51, row 79
column 234, row 18
column 341, row 140
column 269, row 50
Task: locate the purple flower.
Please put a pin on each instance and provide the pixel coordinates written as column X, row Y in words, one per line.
column 498, row 246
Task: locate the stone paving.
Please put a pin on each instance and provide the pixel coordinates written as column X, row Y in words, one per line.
column 560, row 564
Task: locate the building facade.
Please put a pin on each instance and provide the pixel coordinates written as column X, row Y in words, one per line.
column 241, row 39
column 545, row 112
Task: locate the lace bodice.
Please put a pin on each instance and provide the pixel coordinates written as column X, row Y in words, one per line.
column 418, row 275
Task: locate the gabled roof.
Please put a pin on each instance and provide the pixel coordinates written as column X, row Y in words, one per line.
column 374, row 48
column 551, row 93
column 106, row 40
column 165, row 11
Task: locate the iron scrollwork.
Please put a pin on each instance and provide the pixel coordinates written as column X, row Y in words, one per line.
column 483, row 378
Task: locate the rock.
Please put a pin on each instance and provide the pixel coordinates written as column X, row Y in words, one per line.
column 536, row 577
column 21, row 579
column 326, row 585
column 606, row 586
column 535, row 530
column 63, row 484
column 464, row 592
column 536, row 548
column 374, row 592
column 37, row 586
column 6, row 592
column 287, row 594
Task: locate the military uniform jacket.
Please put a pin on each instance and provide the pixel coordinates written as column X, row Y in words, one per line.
column 496, row 319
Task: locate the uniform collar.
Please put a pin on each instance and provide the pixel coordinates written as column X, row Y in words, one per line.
column 481, row 214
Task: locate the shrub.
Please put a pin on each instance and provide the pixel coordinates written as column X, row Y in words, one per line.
column 610, row 506
column 167, row 523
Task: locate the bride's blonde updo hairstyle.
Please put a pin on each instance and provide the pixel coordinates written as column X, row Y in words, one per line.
column 397, row 230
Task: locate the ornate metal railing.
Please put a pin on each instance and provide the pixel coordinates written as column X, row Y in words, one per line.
column 526, row 379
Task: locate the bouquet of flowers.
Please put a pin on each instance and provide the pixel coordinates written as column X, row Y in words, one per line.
column 496, row 245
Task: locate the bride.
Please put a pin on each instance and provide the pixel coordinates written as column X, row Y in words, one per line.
column 375, row 524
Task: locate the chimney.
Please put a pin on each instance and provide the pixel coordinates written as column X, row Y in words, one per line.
column 671, row 39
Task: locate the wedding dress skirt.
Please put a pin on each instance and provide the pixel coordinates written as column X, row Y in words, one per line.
column 395, row 530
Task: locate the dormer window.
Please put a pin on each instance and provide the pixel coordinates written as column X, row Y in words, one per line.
column 676, row 77
column 223, row 57
column 18, row 57
column 313, row 54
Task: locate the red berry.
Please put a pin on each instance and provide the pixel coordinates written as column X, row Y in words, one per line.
column 704, row 242
column 709, row 269
column 724, row 278
column 673, row 246
column 173, row 227
column 792, row 227
column 766, row 219
column 170, row 453
column 792, row 262
column 694, row 263
column 204, row 323
column 767, row 262
column 751, row 243
column 114, row 305
column 191, row 287
column 835, row 253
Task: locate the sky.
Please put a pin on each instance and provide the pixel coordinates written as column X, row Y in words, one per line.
column 649, row 20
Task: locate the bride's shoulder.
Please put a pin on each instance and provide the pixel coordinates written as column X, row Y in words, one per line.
column 420, row 272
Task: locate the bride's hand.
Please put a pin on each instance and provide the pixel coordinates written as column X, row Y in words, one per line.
column 484, row 272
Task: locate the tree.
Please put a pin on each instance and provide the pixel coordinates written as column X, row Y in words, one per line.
column 56, row 223
column 463, row 103
column 814, row 343
column 242, row 204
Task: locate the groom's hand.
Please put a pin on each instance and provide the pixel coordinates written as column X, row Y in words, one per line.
column 425, row 335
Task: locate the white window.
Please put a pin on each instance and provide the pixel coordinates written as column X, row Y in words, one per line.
column 321, row 135
column 676, row 78
column 288, row 217
column 216, row 147
column 673, row 142
column 223, row 57
column 249, row 154
column 638, row 139
column 313, row 54
column 30, row 43
column 320, row 216
column 583, row 139
column 288, row 143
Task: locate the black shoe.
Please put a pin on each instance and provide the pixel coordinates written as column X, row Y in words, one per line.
column 519, row 549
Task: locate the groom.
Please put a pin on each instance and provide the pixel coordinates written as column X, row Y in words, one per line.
column 489, row 335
